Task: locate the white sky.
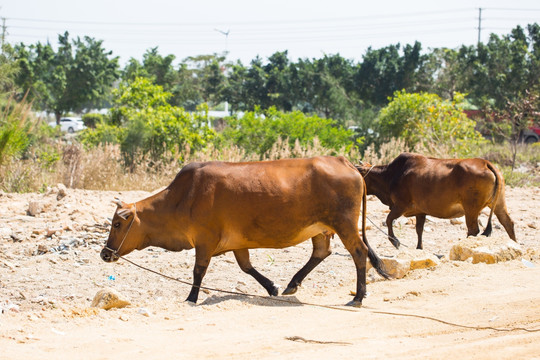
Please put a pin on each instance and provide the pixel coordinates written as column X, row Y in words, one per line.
column 306, row 28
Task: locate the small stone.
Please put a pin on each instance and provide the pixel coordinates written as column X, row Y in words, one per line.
column 419, row 259
column 62, row 191
column 144, row 312
column 42, row 249
column 109, row 298
column 35, row 207
column 396, row 268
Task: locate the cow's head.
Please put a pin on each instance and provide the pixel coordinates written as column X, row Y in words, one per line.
column 125, row 232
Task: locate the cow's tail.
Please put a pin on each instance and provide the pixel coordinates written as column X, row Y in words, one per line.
column 496, row 193
column 375, row 260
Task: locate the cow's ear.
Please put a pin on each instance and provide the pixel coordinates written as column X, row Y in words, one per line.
column 119, row 203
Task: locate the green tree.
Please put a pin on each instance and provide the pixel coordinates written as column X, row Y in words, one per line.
column 200, row 79
column 8, row 70
column 154, row 66
column 255, row 86
column 384, row 71
column 146, row 125
column 278, row 82
column 80, row 74
column 425, row 119
column 235, row 91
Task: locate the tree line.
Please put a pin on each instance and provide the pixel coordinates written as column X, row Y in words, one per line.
column 158, row 108
column 81, row 74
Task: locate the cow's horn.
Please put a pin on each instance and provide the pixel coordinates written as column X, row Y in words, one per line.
column 118, row 202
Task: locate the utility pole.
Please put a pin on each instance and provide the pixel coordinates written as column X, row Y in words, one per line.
column 3, row 33
column 479, row 24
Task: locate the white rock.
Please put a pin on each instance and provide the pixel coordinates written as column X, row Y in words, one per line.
column 144, row 312
column 487, row 250
column 35, row 207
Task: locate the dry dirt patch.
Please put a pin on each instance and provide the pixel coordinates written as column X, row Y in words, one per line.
column 50, row 271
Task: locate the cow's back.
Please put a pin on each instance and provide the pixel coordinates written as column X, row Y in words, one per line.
column 441, row 187
column 268, row 203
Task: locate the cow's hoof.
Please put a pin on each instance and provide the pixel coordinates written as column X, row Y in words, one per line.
column 395, row 242
column 274, row 291
column 290, row 290
column 355, row 303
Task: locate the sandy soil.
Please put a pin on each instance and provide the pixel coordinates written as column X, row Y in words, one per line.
column 50, row 271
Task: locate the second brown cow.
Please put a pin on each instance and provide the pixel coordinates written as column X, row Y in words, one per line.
column 416, row 185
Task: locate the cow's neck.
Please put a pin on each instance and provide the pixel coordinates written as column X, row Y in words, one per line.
column 377, row 184
column 163, row 227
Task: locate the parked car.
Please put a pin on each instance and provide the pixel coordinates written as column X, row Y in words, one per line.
column 69, row 124
column 531, row 135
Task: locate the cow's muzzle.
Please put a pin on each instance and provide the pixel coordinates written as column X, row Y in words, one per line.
column 108, row 255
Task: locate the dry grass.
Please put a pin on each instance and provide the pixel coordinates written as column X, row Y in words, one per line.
column 102, row 168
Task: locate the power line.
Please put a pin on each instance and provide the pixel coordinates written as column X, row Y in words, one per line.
column 272, row 22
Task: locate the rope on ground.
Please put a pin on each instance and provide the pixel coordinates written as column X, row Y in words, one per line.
column 299, row 338
column 472, row 327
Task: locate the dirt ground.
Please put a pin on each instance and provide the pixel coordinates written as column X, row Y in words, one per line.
column 50, row 270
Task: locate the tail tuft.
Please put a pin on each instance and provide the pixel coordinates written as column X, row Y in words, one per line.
column 377, row 263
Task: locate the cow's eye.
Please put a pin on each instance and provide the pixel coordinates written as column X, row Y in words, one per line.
column 117, row 225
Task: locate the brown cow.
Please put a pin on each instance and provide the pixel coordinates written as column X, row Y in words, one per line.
column 217, row 207
column 416, row 185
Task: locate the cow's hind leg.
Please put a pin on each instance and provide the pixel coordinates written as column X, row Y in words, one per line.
column 471, row 219
column 242, row 257
column 505, row 220
column 359, row 251
column 321, row 249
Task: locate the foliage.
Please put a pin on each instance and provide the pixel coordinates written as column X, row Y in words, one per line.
column 91, row 119
column 16, row 126
column 427, row 120
column 147, row 126
column 78, row 75
column 384, row 71
column 8, row 70
column 257, row 131
column 510, row 122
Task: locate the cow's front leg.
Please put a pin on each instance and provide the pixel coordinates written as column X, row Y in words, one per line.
column 202, row 259
column 395, row 212
column 420, row 221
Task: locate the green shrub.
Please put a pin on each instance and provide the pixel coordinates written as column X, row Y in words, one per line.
column 427, row 120
column 257, row 131
column 92, row 119
column 16, row 126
